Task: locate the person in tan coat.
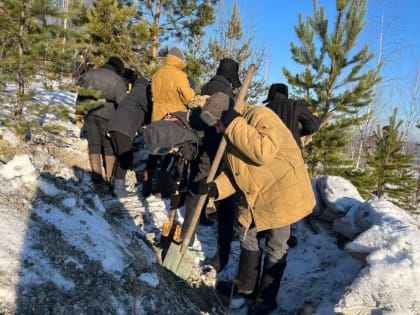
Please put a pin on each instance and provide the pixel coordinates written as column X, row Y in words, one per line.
column 266, row 165
column 171, row 92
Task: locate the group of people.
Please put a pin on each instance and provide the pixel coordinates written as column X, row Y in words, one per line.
column 261, row 186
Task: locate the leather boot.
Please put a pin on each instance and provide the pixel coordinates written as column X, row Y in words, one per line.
column 120, row 191
column 221, row 258
column 247, row 277
column 109, row 166
column 269, row 287
column 248, row 271
column 95, row 161
column 147, row 183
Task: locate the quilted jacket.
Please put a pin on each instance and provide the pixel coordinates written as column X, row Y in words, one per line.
column 265, row 163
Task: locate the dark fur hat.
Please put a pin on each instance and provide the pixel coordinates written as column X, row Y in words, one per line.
column 229, row 68
column 277, row 88
column 117, row 64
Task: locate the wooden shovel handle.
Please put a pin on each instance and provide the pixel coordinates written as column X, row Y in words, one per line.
column 214, row 166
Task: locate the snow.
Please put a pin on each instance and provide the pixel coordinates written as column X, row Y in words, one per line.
column 150, row 278
column 377, row 271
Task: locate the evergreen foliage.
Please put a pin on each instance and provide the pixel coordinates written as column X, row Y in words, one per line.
column 135, row 31
column 175, row 21
column 390, row 167
column 228, row 41
column 113, row 31
column 32, row 44
column 88, row 99
column 335, row 78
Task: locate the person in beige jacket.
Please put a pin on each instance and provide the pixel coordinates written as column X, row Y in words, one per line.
column 266, row 165
column 171, row 92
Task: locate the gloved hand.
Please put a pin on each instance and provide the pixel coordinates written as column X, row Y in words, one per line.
column 229, row 115
column 214, row 107
column 208, row 188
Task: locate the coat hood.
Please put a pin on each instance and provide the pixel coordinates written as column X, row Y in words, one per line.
column 175, row 61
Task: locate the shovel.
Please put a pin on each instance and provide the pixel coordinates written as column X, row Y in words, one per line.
column 179, row 259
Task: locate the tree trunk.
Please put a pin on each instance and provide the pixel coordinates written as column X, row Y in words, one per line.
column 21, row 74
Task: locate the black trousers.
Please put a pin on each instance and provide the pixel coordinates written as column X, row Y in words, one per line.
column 225, row 221
column 98, row 142
column 123, row 150
column 225, row 218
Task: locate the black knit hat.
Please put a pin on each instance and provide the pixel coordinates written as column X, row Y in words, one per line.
column 117, row 64
column 229, row 68
column 277, row 88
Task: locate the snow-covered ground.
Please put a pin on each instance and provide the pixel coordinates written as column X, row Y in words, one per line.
column 54, row 228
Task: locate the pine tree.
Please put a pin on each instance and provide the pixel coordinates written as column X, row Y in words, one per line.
column 171, row 21
column 335, row 79
column 134, row 31
column 55, row 39
column 228, row 41
column 390, row 166
column 113, row 31
column 30, row 44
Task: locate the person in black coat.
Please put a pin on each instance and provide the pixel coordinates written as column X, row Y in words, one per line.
column 175, row 130
column 225, row 80
column 111, row 89
column 295, row 115
column 123, row 126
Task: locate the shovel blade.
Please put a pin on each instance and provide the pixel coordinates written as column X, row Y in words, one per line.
column 179, row 263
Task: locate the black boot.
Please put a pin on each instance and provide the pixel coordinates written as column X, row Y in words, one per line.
column 163, row 184
column 147, row 183
column 247, row 277
column 225, row 228
column 292, row 241
column 221, row 258
column 119, row 189
column 269, row 287
column 204, row 220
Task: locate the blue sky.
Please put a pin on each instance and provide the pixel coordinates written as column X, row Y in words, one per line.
column 272, row 21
